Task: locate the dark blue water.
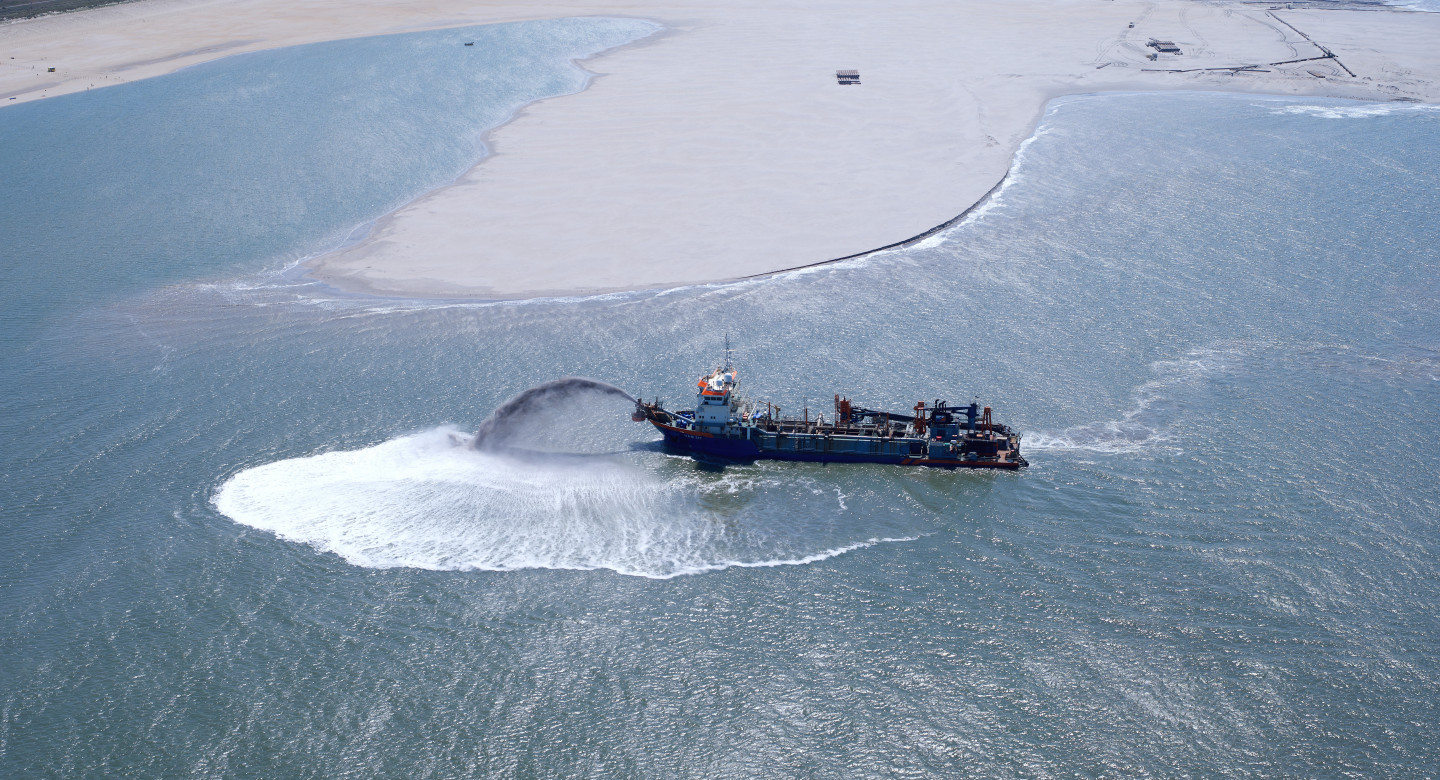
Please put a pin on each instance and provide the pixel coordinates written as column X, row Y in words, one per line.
column 1213, row 317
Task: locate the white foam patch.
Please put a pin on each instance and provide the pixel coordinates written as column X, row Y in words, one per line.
column 429, row 501
column 1146, row 424
column 1110, row 437
column 1358, row 112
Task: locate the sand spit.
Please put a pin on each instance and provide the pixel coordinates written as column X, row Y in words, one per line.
column 726, row 147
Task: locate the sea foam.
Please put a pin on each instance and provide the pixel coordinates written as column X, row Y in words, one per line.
column 432, row 501
column 1147, row 423
column 1364, row 111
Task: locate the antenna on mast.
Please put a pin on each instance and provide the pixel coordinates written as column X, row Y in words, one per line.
column 728, row 365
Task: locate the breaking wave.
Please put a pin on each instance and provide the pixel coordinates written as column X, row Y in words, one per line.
column 432, row 501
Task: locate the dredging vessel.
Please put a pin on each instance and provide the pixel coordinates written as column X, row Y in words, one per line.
column 725, row 426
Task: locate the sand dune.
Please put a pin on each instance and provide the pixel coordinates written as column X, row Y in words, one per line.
column 725, row 147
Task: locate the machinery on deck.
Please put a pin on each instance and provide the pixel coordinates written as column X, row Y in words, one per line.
column 723, row 425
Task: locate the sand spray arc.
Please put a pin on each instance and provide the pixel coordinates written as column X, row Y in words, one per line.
column 505, row 421
column 440, row 500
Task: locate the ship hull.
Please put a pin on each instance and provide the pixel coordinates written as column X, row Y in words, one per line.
column 811, row 448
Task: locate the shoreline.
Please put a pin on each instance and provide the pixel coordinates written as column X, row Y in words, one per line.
column 723, row 150
column 953, row 222
column 389, row 265
column 301, row 271
column 304, row 267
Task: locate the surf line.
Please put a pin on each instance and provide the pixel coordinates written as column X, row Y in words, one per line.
column 943, row 226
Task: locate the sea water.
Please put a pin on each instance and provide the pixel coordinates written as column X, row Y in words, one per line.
column 244, row 533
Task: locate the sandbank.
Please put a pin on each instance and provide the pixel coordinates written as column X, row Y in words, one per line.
column 725, row 147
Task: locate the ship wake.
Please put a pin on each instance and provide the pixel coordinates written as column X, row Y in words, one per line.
column 432, row 500
column 1149, row 422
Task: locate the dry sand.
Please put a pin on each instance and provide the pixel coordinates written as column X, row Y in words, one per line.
column 724, row 147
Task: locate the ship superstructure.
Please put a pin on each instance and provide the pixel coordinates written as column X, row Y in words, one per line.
column 723, row 425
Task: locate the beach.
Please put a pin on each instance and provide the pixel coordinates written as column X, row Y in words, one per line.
column 724, row 146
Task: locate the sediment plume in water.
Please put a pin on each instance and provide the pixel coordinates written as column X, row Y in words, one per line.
column 428, row 501
column 507, row 420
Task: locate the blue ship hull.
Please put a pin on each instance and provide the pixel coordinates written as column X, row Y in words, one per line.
column 725, row 427
column 907, row 452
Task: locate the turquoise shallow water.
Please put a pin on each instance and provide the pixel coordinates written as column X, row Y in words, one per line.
column 271, row 156
column 1213, row 317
